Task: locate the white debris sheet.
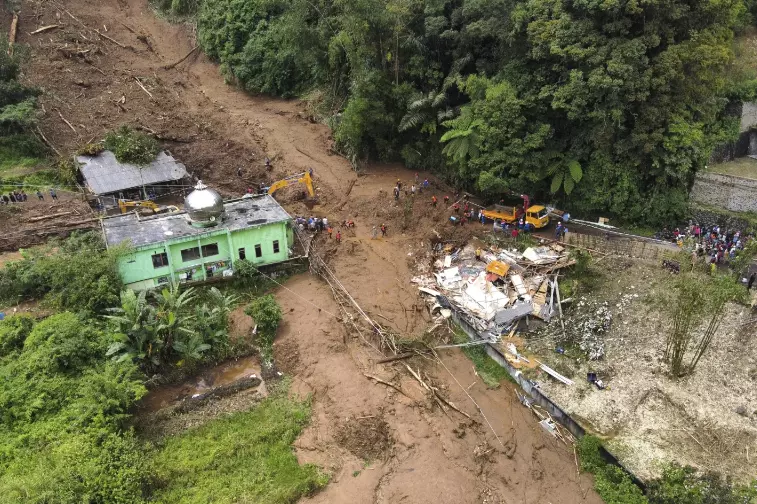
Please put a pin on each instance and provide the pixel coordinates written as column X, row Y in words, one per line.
column 541, row 255
column 482, row 299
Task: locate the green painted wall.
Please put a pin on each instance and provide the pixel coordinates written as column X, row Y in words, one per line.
column 138, row 272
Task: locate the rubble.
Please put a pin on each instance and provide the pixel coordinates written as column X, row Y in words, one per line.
column 494, row 288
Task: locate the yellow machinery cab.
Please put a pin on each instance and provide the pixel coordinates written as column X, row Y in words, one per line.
column 537, row 216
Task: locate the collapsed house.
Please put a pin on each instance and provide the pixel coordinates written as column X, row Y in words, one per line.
column 109, row 180
column 498, row 290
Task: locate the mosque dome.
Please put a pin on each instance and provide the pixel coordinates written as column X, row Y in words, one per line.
column 204, row 206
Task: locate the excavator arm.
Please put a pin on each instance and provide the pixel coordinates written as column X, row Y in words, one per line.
column 303, row 178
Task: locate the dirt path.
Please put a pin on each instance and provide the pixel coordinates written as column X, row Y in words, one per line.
column 380, row 445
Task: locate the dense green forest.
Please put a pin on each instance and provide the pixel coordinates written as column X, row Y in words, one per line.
column 603, row 106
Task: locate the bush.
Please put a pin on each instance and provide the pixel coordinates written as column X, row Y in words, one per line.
column 266, row 313
column 131, row 146
column 13, row 332
column 611, row 482
column 80, row 275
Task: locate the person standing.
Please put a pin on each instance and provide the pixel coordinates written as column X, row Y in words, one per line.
column 53, row 194
column 338, row 236
column 433, row 201
column 383, row 230
column 374, row 232
column 239, row 172
column 40, row 196
column 751, row 281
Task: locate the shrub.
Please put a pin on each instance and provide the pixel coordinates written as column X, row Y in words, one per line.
column 80, row 275
column 267, row 314
column 130, row 146
column 13, row 332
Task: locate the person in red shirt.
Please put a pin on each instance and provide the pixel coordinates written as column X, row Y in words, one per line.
column 338, row 236
column 514, row 232
column 433, row 200
column 446, row 199
column 456, row 208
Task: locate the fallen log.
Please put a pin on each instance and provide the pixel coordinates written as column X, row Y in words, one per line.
column 12, row 35
column 172, row 65
column 119, row 44
column 52, row 216
column 395, row 358
column 379, row 380
column 44, row 29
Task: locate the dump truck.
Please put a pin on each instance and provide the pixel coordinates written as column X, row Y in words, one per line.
column 537, row 215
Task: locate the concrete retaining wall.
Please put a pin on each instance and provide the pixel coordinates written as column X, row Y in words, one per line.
column 725, row 191
column 536, row 394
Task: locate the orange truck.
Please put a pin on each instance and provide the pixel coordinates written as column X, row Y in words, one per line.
column 536, row 215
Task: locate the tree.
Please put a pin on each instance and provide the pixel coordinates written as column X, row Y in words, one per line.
column 693, row 301
column 687, row 311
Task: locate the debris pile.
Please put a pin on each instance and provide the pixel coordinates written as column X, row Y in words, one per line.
column 493, row 289
column 587, row 325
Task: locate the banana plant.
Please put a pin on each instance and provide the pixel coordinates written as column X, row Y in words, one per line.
column 565, row 176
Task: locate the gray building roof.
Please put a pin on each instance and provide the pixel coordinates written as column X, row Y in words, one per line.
column 240, row 214
column 104, row 174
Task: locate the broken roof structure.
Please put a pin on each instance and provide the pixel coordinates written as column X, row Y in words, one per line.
column 103, row 174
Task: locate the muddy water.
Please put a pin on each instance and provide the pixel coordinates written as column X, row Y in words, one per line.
column 222, row 374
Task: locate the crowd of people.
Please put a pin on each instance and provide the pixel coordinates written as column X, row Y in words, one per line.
column 17, row 196
column 715, row 244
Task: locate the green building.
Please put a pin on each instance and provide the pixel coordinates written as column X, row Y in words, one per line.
column 201, row 242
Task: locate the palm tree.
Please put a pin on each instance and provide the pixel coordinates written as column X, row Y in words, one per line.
column 462, row 139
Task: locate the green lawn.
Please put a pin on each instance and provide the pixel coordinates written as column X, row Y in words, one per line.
column 246, row 457
column 742, row 167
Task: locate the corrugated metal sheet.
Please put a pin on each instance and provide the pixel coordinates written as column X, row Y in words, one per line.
column 104, row 175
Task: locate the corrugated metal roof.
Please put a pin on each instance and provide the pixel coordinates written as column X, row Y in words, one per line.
column 240, row 214
column 104, row 175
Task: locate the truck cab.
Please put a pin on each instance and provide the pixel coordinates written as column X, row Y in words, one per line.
column 537, row 216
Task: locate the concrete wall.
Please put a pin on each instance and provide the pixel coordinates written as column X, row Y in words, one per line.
column 725, row 191
column 138, row 272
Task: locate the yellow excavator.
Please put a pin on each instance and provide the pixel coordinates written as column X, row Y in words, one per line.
column 127, row 205
column 303, row 178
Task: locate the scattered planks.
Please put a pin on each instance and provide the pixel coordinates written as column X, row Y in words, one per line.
column 172, row 65
column 143, row 88
column 47, row 142
column 396, row 358
column 66, row 121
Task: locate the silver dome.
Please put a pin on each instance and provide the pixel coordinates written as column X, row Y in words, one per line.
column 204, row 205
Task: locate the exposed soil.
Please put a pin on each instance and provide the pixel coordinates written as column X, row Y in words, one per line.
column 647, row 417
column 21, row 226
column 214, row 128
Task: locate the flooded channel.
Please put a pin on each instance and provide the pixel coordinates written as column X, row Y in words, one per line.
column 223, row 374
